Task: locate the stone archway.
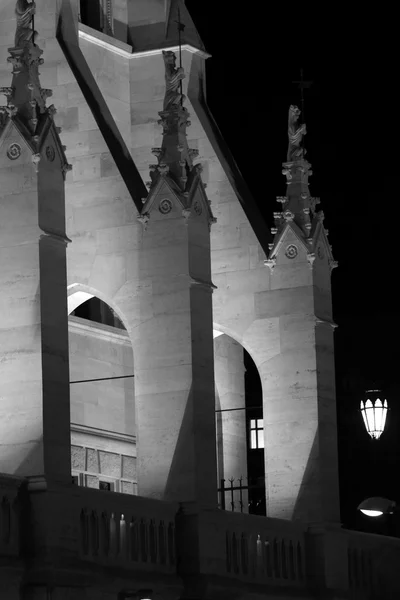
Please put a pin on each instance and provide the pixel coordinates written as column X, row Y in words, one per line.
column 103, row 428
column 236, row 410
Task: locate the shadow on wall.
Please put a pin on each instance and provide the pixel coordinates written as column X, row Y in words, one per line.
column 69, row 43
column 305, row 502
column 191, row 460
column 32, row 464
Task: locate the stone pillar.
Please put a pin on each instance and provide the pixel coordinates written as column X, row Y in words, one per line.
column 173, row 349
column 34, row 374
column 299, row 388
column 230, row 415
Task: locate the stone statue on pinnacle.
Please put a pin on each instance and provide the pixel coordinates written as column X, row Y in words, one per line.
column 173, row 77
column 25, row 33
column 295, row 134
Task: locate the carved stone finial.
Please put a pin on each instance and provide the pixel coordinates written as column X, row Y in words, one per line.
column 295, row 134
column 173, row 78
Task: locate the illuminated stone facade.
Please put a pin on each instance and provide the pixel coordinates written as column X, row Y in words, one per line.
column 181, row 255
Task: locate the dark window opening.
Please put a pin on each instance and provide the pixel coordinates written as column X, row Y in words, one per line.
column 98, row 311
column 97, row 14
column 105, row 486
column 255, row 440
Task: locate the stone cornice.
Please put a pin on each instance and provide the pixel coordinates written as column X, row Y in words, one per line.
column 126, row 50
column 98, row 330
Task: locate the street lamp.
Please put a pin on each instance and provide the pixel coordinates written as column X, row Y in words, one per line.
column 376, row 507
column 374, row 412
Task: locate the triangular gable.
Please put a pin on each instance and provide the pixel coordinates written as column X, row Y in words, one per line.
column 281, row 236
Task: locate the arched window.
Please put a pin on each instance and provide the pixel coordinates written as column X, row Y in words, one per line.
column 97, row 14
column 98, row 311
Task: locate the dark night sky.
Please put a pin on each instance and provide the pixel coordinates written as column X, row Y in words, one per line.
column 352, row 121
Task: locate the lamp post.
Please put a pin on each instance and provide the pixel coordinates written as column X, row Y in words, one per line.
column 374, row 410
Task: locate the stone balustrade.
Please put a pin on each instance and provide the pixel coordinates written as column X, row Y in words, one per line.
column 244, row 547
column 265, row 550
column 10, row 509
column 373, row 566
column 121, row 530
column 142, row 535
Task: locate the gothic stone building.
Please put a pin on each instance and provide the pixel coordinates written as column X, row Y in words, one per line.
column 135, row 274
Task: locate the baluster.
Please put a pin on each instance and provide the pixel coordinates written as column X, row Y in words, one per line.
column 133, row 540
column 171, row 543
column 94, row 533
column 228, row 552
column 161, row 543
column 104, row 534
column 355, row 569
column 244, row 554
column 283, row 560
column 268, row 558
column 143, row 540
column 122, row 538
column 276, row 557
column 299, row 552
column 259, row 556
column 152, row 542
column 292, row 572
column 113, row 535
column 235, row 557
column 84, row 532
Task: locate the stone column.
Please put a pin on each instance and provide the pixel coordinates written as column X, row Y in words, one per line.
column 34, row 374
column 299, row 390
column 230, row 415
column 173, row 349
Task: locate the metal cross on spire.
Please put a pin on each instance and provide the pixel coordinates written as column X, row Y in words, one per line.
column 303, row 85
column 181, row 28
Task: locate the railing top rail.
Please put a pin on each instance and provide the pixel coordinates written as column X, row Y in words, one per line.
column 104, row 500
column 11, row 481
column 363, row 539
column 259, row 524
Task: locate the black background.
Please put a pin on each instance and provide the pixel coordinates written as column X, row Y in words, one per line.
column 352, row 120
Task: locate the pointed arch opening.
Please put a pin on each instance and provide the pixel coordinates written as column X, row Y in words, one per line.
column 102, row 395
column 239, row 428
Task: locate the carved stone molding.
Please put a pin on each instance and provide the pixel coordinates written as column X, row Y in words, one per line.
column 311, row 259
column 270, row 263
column 144, row 219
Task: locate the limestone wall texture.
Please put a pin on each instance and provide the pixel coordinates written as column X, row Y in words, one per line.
column 272, row 315
column 99, row 352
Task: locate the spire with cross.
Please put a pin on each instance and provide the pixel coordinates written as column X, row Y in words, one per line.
column 302, row 85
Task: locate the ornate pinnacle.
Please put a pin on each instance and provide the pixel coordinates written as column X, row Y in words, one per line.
column 174, row 157
column 25, row 93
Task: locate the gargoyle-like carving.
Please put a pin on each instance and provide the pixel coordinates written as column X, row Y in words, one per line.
column 173, row 78
column 295, row 134
column 24, row 34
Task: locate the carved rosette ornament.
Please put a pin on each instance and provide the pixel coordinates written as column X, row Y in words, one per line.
column 291, row 251
column 14, row 151
column 165, row 206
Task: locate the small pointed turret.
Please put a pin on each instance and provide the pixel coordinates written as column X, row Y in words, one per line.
column 26, row 99
column 298, row 206
column 175, row 168
column 174, row 156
